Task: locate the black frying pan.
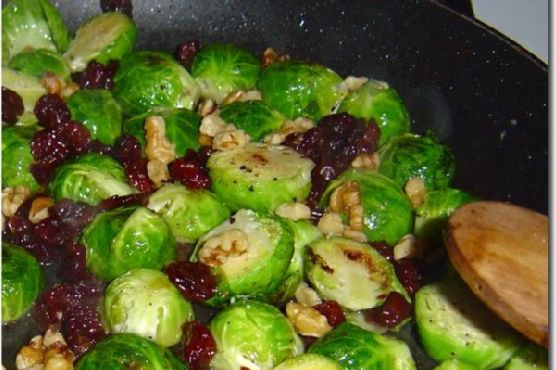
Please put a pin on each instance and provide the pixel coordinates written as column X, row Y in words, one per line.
column 481, row 94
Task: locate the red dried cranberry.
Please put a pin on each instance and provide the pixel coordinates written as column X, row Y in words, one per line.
column 49, row 231
column 138, row 199
column 190, row 172
column 333, row 312
column 97, row 75
column 410, row 273
column 122, row 6
column 73, row 268
column 199, row 345
column 76, row 136
column 202, row 156
column 386, row 250
column 48, row 147
column 138, row 176
column 128, row 149
column 186, row 51
column 393, row 311
column 51, row 111
column 96, row 146
column 12, row 105
column 82, row 328
column 193, row 279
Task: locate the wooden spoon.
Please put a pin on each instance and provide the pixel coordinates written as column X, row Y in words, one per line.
column 501, row 252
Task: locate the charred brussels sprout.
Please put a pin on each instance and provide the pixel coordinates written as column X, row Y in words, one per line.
column 358, row 349
column 222, row 68
column 260, row 176
column 249, row 254
column 127, row 238
column 89, row 178
column 148, row 79
column 453, row 323
column 99, row 112
column 254, row 117
column 301, row 89
column 252, row 335
column 129, row 351
column 530, row 357
column 145, row 302
column 455, row 364
column 309, row 361
column 17, row 157
column 28, row 87
column 189, row 213
column 407, row 156
column 38, row 62
column 22, row 281
column 377, row 101
column 103, row 38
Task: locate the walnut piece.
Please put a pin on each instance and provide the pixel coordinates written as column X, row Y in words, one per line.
column 331, row 224
column 206, row 107
column 230, row 139
column 158, row 172
column 406, row 247
column 39, row 209
column 52, row 83
column 345, row 196
column 159, row 150
column 355, row 83
column 13, row 198
column 307, row 320
column 48, row 352
column 218, row 248
column 299, row 125
column 212, row 124
column 369, row 161
column 307, row 295
column 415, row 190
column 270, row 56
column 293, row 211
column 355, row 235
column 242, row 96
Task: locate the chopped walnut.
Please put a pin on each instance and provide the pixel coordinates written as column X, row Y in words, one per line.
column 206, row 107
column 242, row 96
column 369, row 161
column 218, row 248
column 331, row 224
column 159, row 150
column 293, row 211
column 355, row 83
column 307, row 320
column 406, row 247
column 270, row 57
column 307, row 295
column 415, row 191
column 39, row 209
column 230, row 139
column 355, row 235
column 47, row 353
column 13, row 198
column 299, row 125
column 52, row 83
column 158, row 172
column 355, row 214
column 345, row 196
column 213, row 124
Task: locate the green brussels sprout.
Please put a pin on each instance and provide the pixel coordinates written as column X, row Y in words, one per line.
column 249, row 254
column 38, row 62
column 377, row 101
column 455, row 364
column 222, row 68
column 148, row 79
column 182, row 129
column 99, row 112
column 254, row 117
column 387, row 213
column 17, row 157
column 252, row 335
column 127, row 238
column 260, row 176
column 351, row 273
column 189, row 213
column 309, row 361
column 529, row 357
column 407, row 156
column 89, row 178
column 103, row 38
column 28, row 87
column 129, row 351
column 31, row 25
column 453, row 323
column 146, row 303
column 358, row 349
column 301, row 89
column 22, row 281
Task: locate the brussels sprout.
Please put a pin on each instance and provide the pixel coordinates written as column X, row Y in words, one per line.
column 377, row 101
column 103, row 38
column 22, row 281
column 453, row 323
column 529, row 357
column 146, row 303
column 358, row 349
column 189, row 213
column 17, row 157
column 129, row 351
column 99, row 112
column 28, row 87
column 387, row 214
column 148, row 79
column 38, row 62
column 455, row 364
column 260, row 176
column 127, row 238
column 407, row 156
column 182, row 129
column 255, row 265
column 252, row 335
column 351, row 273
column 31, row 25
column 222, row 68
column 309, row 361
column 89, row 178
column 254, row 117
column 301, row 89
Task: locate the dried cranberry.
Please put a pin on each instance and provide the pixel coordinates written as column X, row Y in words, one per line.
column 203, row 155
column 122, row 6
column 82, row 328
column 72, row 216
column 138, row 199
column 49, row 231
column 190, row 171
column 51, row 111
column 97, row 75
column 48, row 147
column 128, row 149
column 193, row 279
column 73, row 268
column 138, row 176
column 12, row 105
column 96, row 146
column 410, row 272
column 333, row 312
column 186, row 51
column 199, row 346
column 386, row 250
column 393, row 311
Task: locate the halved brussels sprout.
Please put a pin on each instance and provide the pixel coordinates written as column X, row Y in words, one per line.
column 377, row 101
column 22, row 281
column 350, row 273
column 182, row 128
column 32, row 25
column 455, row 364
column 28, row 87
column 406, row 156
column 103, row 38
column 252, row 335
column 453, row 323
column 529, row 357
column 99, row 112
column 309, row 361
column 89, row 178
column 146, row 303
column 17, row 157
column 222, row 68
column 298, row 88
column 260, row 176
column 189, row 213
column 249, row 254
column 387, row 213
column 358, row 349
column 127, row 238
column 129, row 351
column 38, row 62
column 148, row 79
column 254, row 117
